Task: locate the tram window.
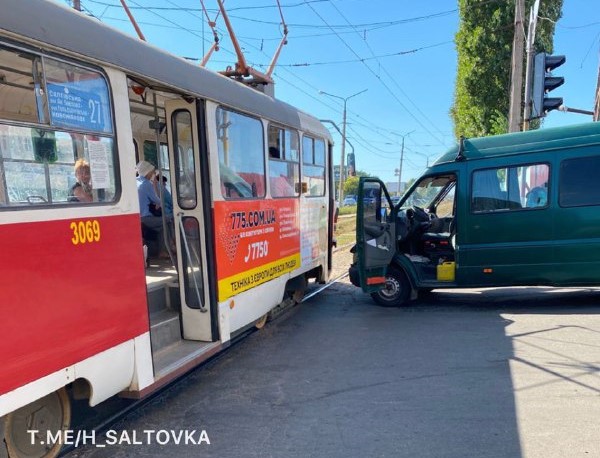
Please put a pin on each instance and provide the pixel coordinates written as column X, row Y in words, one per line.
column 284, row 167
column 38, row 166
column 151, row 156
column 37, row 162
column 313, row 168
column 185, row 177
column 241, row 155
column 19, row 79
column 320, row 152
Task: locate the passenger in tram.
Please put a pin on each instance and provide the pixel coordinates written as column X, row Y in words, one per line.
column 152, row 226
column 167, row 198
column 274, row 152
column 81, row 191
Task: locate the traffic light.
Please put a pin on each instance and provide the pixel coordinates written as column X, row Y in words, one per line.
column 544, row 82
column 351, row 165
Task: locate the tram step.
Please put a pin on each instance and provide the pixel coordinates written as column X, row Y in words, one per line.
column 165, row 296
column 165, row 329
column 181, row 357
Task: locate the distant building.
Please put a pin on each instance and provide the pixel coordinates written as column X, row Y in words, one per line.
column 392, row 187
column 336, row 172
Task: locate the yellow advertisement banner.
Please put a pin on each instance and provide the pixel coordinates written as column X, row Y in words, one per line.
column 244, row 281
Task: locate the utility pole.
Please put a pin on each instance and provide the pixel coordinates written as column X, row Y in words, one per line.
column 399, row 170
column 77, row 5
column 345, row 99
column 516, row 80
column 533, row 14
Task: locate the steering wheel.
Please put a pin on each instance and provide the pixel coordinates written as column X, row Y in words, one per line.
column 420, row 215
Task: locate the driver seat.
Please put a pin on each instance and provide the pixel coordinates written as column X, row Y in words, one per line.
column 438, row 245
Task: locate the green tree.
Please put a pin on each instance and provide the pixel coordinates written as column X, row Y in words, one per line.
column 484, row 47
column 351, row 183
column 351, row 186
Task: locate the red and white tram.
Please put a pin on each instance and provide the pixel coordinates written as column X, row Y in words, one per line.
column 83, row 316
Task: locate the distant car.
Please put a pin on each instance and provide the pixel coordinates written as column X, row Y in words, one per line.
column 369, row 200
column 349, row 200
column 396, row 200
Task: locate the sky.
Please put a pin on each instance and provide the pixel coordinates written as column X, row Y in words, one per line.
column 401, row 52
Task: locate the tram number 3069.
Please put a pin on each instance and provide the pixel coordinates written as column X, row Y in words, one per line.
column 85, row 232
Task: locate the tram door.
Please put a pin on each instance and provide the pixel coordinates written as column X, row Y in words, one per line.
column 189, row 219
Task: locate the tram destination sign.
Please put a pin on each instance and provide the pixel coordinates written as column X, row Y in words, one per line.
column 77, row 109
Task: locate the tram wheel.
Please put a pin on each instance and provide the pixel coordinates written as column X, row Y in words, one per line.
column 52, row 413
column 260, row 323
column 298, row 295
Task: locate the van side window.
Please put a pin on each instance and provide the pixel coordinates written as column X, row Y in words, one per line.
column 578, row 182
column 510, row 188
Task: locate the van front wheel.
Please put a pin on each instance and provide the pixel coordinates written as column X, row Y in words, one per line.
column 396, row 291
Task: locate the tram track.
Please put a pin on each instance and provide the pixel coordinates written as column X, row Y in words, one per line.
column 324, row 287
column 114, row 409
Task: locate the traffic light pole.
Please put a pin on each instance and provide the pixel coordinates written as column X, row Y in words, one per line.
column 345, row 99
column 575, row 110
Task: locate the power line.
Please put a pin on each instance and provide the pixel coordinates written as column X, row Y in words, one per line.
column 306, row 2
column 350, row 61
column 162, row 17
column 381, row 81
column 388, row 73
column 363, row 59
column 364, row 143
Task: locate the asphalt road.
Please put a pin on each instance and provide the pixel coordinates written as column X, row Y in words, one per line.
column 466, row 373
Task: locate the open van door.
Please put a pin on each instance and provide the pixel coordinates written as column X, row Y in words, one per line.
column 375, row 233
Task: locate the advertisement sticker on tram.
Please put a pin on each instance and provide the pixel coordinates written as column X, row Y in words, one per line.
column 257, row 241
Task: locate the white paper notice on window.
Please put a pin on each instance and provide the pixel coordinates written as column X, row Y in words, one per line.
column 98, row 165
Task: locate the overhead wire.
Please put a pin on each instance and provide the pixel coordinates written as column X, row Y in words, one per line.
column 410, row 113
column 389, row 75
column 363, row 59
column 303, row 3
column 178, row 27
column 394, row 81
column 365, row 143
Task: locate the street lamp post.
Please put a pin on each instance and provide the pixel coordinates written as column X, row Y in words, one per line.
column 345, row 99
column 401, row 159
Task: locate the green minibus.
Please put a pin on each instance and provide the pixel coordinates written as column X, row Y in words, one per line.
column 505, row 210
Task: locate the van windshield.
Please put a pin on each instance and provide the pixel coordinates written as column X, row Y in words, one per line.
column 427, row 191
